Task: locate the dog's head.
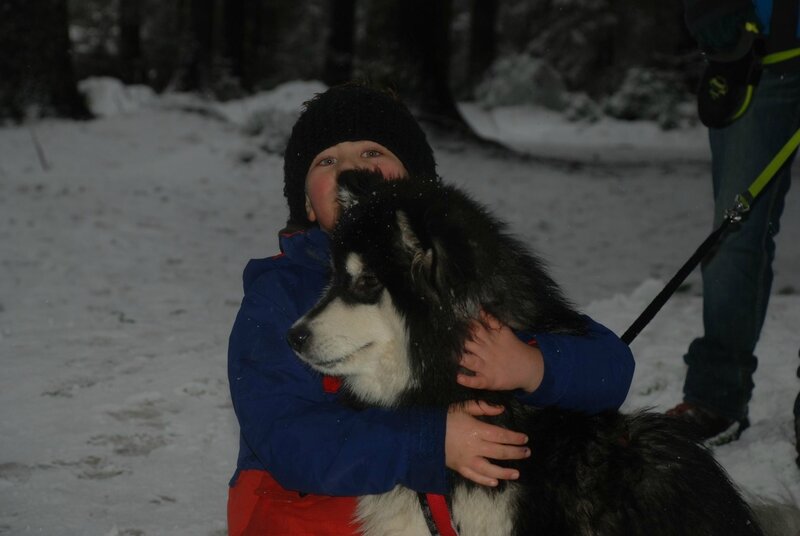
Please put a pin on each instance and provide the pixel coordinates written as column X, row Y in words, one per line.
column 413, row 261
column 386, row 276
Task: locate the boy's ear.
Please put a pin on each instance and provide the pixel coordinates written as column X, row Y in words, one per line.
column 310, row 214
column 355, row 185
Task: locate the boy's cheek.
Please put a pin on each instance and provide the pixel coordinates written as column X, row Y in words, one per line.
column 320, row 185
column 321, row 192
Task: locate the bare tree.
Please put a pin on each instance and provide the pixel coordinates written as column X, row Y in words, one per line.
column 202, row 51
column 235, row 34
column 200, row 44
column 483, row 38
column 407, row 46
column 431, row 51
column 130, row 47
column 340, row 51
column 36, row 72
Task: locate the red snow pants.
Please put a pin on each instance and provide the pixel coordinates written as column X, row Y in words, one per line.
column 259, row 506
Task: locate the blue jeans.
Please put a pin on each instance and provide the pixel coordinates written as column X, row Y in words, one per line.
column 737, row 275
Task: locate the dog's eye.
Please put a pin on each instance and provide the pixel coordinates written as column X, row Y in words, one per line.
column 368, row 283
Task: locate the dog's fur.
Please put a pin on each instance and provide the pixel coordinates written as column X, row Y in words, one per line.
column 414, row 261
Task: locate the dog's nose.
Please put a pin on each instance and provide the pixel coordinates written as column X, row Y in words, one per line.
column 297, row 336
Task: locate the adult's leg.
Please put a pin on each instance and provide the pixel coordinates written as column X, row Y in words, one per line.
column 797, row 421
column 737, row 277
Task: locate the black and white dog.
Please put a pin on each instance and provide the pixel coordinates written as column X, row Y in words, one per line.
column 414, row 261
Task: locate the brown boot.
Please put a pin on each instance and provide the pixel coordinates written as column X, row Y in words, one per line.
column 707, row 426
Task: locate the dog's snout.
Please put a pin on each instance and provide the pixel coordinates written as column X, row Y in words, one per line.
column 297, row 336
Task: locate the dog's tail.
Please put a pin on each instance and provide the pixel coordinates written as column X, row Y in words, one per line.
column 776, row 517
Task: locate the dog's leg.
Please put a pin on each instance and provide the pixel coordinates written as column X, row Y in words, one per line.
column 396, row 513
column 480, row 511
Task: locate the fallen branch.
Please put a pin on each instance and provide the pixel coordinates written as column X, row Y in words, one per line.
column 39, row 150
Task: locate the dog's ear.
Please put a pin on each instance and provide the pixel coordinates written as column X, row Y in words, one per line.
column 355, row 185
column 411, row 244
column 426, row 263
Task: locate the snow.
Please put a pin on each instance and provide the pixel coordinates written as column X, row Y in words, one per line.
column 108, row 96
column 545, row 132
column 121, row 268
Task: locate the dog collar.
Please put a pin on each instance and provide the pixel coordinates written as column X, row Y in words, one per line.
column 331, row 384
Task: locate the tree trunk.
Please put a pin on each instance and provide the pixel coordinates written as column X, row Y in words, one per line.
column 424, row 35
column 202, row 45
column 235, row 38
column 38, row 77
column 65, row 98
column 483, row 40
column 339, row 54
column 199, row 37
column 130, row 48
column 264, row 20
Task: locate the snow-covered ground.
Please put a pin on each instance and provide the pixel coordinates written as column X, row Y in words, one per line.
column 120, row 277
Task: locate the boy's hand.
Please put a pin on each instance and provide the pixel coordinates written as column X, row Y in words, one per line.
column 498, row 360
column 469, row 443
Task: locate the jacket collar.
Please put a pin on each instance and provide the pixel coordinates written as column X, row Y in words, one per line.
column 309, row 248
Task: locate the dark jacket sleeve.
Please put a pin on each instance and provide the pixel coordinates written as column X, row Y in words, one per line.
column 699, row 14
column 588, row 373
column 306, row 438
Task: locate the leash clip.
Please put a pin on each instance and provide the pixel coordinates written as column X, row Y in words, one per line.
column 740, row 207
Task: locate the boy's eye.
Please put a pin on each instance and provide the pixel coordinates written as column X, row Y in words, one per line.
column 371, row 153
column 326, row 162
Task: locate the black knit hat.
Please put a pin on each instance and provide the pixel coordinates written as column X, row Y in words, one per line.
column 351, row 112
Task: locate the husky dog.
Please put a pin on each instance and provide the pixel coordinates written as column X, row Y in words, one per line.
column 414, row 261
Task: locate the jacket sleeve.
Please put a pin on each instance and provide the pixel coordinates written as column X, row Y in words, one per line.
column 700, row 15
column 306, row 438
column 589, row 373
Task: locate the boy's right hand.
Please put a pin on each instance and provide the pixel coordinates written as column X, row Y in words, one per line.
column 469, row 444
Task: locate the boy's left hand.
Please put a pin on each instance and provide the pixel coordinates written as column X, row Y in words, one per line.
column 498, row 359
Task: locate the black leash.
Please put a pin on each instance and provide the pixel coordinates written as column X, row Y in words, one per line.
column 667, row 292
column 734, row 215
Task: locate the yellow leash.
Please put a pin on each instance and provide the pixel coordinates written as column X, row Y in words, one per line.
column 777, row 57
column 744, row 199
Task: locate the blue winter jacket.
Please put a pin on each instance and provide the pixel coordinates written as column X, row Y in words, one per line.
column 310, row 442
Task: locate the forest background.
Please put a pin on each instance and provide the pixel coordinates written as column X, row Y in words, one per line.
column 586, row 58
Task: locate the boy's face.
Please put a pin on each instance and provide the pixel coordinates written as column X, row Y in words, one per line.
column 321, row 180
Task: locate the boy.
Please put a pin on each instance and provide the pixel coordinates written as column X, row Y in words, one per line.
column 304, row 455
